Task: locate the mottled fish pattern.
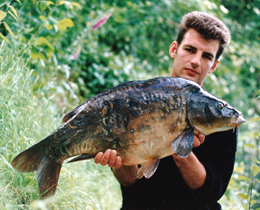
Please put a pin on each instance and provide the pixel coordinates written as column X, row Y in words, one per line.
column 143, row 120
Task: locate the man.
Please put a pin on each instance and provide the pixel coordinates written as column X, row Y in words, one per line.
column 198, row 181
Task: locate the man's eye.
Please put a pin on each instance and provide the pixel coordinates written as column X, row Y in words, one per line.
column 189, row 50
column 207, row 57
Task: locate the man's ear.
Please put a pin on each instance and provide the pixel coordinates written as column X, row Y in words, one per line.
column 213, row 68
column 172, row 49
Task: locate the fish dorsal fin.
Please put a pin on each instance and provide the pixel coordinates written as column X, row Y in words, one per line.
column 148, row 168
column 183, row 144
column 84, row 156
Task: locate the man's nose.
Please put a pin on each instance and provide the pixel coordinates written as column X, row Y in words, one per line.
column 195, row 61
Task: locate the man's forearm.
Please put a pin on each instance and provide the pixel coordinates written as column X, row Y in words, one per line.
column 191, row 169
column 126, row 175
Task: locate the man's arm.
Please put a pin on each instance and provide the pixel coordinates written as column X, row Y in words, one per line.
column 191, row 169
column 126, row 175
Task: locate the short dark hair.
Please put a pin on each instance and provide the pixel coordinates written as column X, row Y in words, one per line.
column 207, row 26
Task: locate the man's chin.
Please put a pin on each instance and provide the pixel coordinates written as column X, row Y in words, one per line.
column 189, row 77
column 192, row 78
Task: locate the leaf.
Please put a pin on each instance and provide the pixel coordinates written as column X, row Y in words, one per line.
column 48, row 26
column 8, row 29
column 255, row 119
column 243, row 196
column 255, row 170
column 2, row 15
column 14, row 11
column 250, row 145
column 18, row 1
column 49, row 3
column 2, row 36
column 64, row 23
column 13, row 15
column 257, row 180
column 43, row 40
column 148, row 3
column 256, row 133
column 42, row 17
column 36, row 56
column 76, row 4
column 243, row 178
column 1, row 58
column 42, row 6
column 67, row 3
column 252, row 202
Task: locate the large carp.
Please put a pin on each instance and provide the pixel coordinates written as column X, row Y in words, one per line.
column 143, row 120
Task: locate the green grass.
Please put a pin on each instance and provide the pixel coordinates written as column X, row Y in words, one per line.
column 28, row 113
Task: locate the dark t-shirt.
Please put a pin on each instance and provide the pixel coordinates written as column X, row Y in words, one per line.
column 166, row 189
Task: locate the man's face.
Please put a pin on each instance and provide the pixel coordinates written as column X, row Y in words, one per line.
column 195, row 57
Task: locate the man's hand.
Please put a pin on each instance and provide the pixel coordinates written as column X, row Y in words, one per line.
column 198, row 139
column 126, row 175
column 109, row 158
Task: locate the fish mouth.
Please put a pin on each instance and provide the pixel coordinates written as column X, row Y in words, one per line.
column 236, row 121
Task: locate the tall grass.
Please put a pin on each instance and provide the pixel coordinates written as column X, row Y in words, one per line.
column 27, row 115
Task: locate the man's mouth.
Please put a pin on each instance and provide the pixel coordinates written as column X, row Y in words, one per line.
column 192, row 71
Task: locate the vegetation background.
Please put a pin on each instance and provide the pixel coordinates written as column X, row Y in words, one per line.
column 56, row 54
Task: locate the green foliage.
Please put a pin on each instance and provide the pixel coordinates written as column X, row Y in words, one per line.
column 31, row 104
column 11, row 11
column 245, row 181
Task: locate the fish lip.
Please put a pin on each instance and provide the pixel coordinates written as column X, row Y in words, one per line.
column 236, row 121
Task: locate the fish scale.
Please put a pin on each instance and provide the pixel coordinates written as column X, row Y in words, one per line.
column 144, row 121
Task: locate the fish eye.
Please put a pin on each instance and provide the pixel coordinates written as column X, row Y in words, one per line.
column 220, row 106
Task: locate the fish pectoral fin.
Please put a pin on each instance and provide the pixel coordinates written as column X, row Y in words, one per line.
column 84, row 156
column 140, row 173
column 183, row 144
column 148, row 168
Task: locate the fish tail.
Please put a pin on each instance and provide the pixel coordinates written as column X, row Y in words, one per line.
column 36, row 159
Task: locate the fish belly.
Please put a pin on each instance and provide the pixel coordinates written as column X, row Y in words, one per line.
column 150, row 136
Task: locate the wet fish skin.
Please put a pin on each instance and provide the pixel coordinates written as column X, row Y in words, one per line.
column 143, row 120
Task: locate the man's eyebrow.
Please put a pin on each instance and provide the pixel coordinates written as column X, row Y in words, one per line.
column 194, row 48
column 208, row 54
column 190, row 46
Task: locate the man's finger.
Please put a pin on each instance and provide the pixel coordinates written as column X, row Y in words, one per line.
column 112, row 160
column 201, row 137
column 98, row 157
column 196, row 141
column 118, row 162
column 105, row 158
